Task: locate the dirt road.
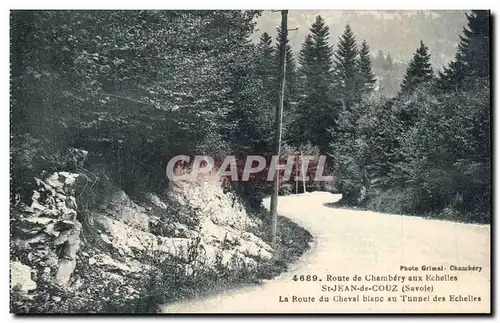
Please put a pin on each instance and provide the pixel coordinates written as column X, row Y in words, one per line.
column 368, row 245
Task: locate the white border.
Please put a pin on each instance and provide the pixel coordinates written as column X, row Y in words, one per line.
column 254, row 4
column 189, row 4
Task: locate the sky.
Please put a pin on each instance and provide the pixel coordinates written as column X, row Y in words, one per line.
column 395, row 32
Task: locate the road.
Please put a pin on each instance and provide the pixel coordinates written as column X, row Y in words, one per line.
column 366, row 244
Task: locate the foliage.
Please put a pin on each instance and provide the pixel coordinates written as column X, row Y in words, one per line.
column 472, row 59
column 427, row 151
column 366, row 77
column 346, row 68
column 419, row 70
column 315, row 111
column 134, row 87
column 419, row 154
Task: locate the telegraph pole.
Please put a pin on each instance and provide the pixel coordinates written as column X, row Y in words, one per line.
column 278, row 123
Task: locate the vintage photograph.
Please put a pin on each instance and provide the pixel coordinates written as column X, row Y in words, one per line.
column 250, row 161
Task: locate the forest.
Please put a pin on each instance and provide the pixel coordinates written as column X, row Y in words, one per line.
column 138, row 87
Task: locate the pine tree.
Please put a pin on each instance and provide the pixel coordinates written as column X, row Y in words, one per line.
column 473, row 55
column 346, row 69
column 322, row 50
column 265, row 51
column 305, row 53
column 261, row 115
column 266, row 68
column 301, row 132
column 305, row 72
column 366, row 77
column 291, row 65
column 291, row 90
column 315, row 113
column 419, row 70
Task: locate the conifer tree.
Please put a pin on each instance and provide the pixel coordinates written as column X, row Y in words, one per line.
column 291, row 65
column 301, row 125
column 260, row 117
column 472, row 58
column 305, row 54
column 346, row 69
column 419, row 70
column 366, row 77
column 291, row 90
column 322, row 51
column 265, row 52
column 315, row 112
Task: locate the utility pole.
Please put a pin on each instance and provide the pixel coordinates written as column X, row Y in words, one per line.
column 277, row 125
column 302, row 171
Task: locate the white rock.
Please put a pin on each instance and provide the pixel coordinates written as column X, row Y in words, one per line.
column 133, row 217
column 53, row 181
column 154, row 199
column 20, row 276
column 130, row 265
column 105, row 238
column 39, row 220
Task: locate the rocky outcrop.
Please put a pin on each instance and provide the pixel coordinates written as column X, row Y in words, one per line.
column 223, row 220
column 195, row 224
column 47, row 232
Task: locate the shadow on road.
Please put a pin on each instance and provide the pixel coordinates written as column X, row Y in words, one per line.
column 338, row 204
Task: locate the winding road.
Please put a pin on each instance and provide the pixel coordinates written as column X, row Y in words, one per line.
column 371, row 246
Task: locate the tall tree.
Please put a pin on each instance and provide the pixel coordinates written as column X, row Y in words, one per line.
column 291, row 90
column 265, row 51
column 322, row 50
column 291, row 65
column 366, row 77
column 305, row 52
column 419, row 70
column 254, row 99
column 301, row 132
column 473, row 55
column 315, row 113
column 346, row 69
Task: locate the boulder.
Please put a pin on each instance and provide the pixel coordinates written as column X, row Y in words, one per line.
column 20, row 277
column 155, row 200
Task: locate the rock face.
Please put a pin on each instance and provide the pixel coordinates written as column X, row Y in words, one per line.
column 196, row 223
column 48, row 233
column 223, row 221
